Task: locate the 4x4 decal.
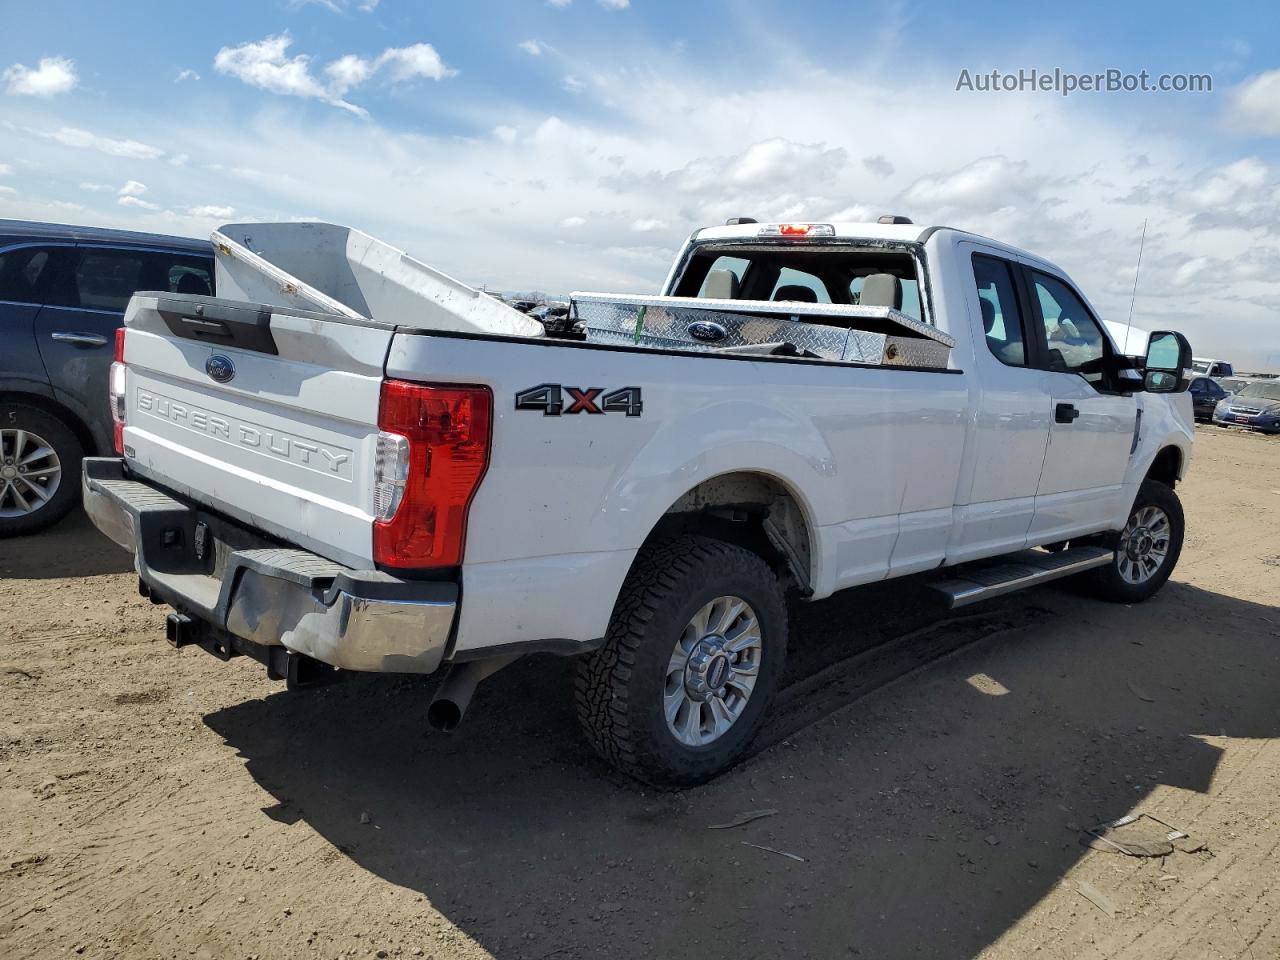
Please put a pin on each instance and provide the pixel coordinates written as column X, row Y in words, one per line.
column 554, row 400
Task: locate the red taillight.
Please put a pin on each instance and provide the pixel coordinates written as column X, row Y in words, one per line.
column 448, row 430
column 116, row 392
column 794, row 229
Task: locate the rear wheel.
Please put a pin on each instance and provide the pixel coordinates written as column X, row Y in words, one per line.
column 1147, row 549
column 39, row 469
column 691, row 660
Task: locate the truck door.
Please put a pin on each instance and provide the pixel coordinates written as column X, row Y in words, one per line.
column 1094, row 424
column 1001, row 471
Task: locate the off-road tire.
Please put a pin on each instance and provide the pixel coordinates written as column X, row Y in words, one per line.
column 619, row 688
column 1107, row 583
column 59, row 436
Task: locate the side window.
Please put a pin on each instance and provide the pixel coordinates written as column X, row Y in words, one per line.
column 724, row 279
column 25, row 274
column 178, row 274
column 799, row 286
column 1199, row 385
column 1001, row 315
column 99, row 280
column 1071, row 334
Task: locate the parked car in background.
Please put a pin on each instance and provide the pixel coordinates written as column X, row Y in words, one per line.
column 1205, row 396
column 63, row 290
column 1233, row 384
column 1256, row 405
column 1211, row 368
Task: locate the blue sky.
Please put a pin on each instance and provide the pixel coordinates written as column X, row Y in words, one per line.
column 574, row 145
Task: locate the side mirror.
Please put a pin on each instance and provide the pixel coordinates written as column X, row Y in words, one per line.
column 1168, row 359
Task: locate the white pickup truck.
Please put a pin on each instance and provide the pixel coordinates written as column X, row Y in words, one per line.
column 807, row 407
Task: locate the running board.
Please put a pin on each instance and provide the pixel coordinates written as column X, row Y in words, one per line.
column 1017, row 571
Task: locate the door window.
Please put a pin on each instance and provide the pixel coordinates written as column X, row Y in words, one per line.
column 1001, row 315
column 1074, row 342
column 99, row 280
column 25, row 274
column 182, row 275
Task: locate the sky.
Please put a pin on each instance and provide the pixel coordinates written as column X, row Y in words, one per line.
column 574, row 144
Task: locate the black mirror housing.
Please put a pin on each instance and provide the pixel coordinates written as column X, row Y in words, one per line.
column 1168, row 363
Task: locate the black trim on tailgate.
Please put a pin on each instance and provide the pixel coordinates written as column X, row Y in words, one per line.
column 222, row 322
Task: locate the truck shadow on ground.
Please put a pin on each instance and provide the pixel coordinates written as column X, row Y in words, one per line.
column 72, row 547
column 930, row 816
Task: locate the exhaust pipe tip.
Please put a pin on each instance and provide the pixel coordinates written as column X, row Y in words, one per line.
column 454, row 696
column 444, row 715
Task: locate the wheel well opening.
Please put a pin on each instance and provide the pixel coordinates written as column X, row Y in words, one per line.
column 1166, row 466
column 753, row 511
column 73, row 422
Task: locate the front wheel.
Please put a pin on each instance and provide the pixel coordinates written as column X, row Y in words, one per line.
column 691, row 660
column 1147, row 549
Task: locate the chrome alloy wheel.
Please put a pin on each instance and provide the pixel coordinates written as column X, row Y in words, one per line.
column 29, row 472
column 1144, row 544
column 712, row 671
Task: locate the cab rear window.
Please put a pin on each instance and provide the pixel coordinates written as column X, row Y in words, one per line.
column 831, row 274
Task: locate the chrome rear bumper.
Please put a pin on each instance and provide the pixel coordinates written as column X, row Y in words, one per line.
column 232, row 579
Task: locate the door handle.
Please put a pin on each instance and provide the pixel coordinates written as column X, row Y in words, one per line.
column 80, row 339
column 1065, row 413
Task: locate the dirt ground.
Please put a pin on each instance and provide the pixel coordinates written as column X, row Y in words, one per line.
column 932, row 779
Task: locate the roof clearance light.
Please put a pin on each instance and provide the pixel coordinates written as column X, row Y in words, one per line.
column 797, row 230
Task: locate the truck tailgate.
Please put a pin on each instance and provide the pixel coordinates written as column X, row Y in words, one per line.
column 267, row 414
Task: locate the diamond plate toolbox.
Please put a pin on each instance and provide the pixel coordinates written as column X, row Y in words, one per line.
column 876, row 336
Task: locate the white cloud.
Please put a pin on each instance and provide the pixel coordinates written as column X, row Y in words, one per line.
column 5, row 169
column 531, row 47
column 1256, row 104
column 266, row 64
column 879, row 165
column 133, row 189
column 212, row 211
column 97, row 187
column 648, row 225
column 132, row 201
column 988, row 182
column 186, row 75
column 84, row 140
column 559, row 3
column 6, row 189
column 409, row 63
column 573, row 84
column 53, row 75
column 504, row 133
column 179, row 159
column 573, row 222
column 614, row 4
column 347, row 72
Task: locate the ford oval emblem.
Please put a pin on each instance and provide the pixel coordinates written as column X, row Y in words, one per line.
column 220, row 368
column 707, row 331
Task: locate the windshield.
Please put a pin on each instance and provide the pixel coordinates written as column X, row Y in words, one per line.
column 1261, row 391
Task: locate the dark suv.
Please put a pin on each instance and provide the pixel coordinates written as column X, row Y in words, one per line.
column 63, row 291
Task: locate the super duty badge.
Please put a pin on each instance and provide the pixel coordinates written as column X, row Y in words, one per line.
column 554, row 400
